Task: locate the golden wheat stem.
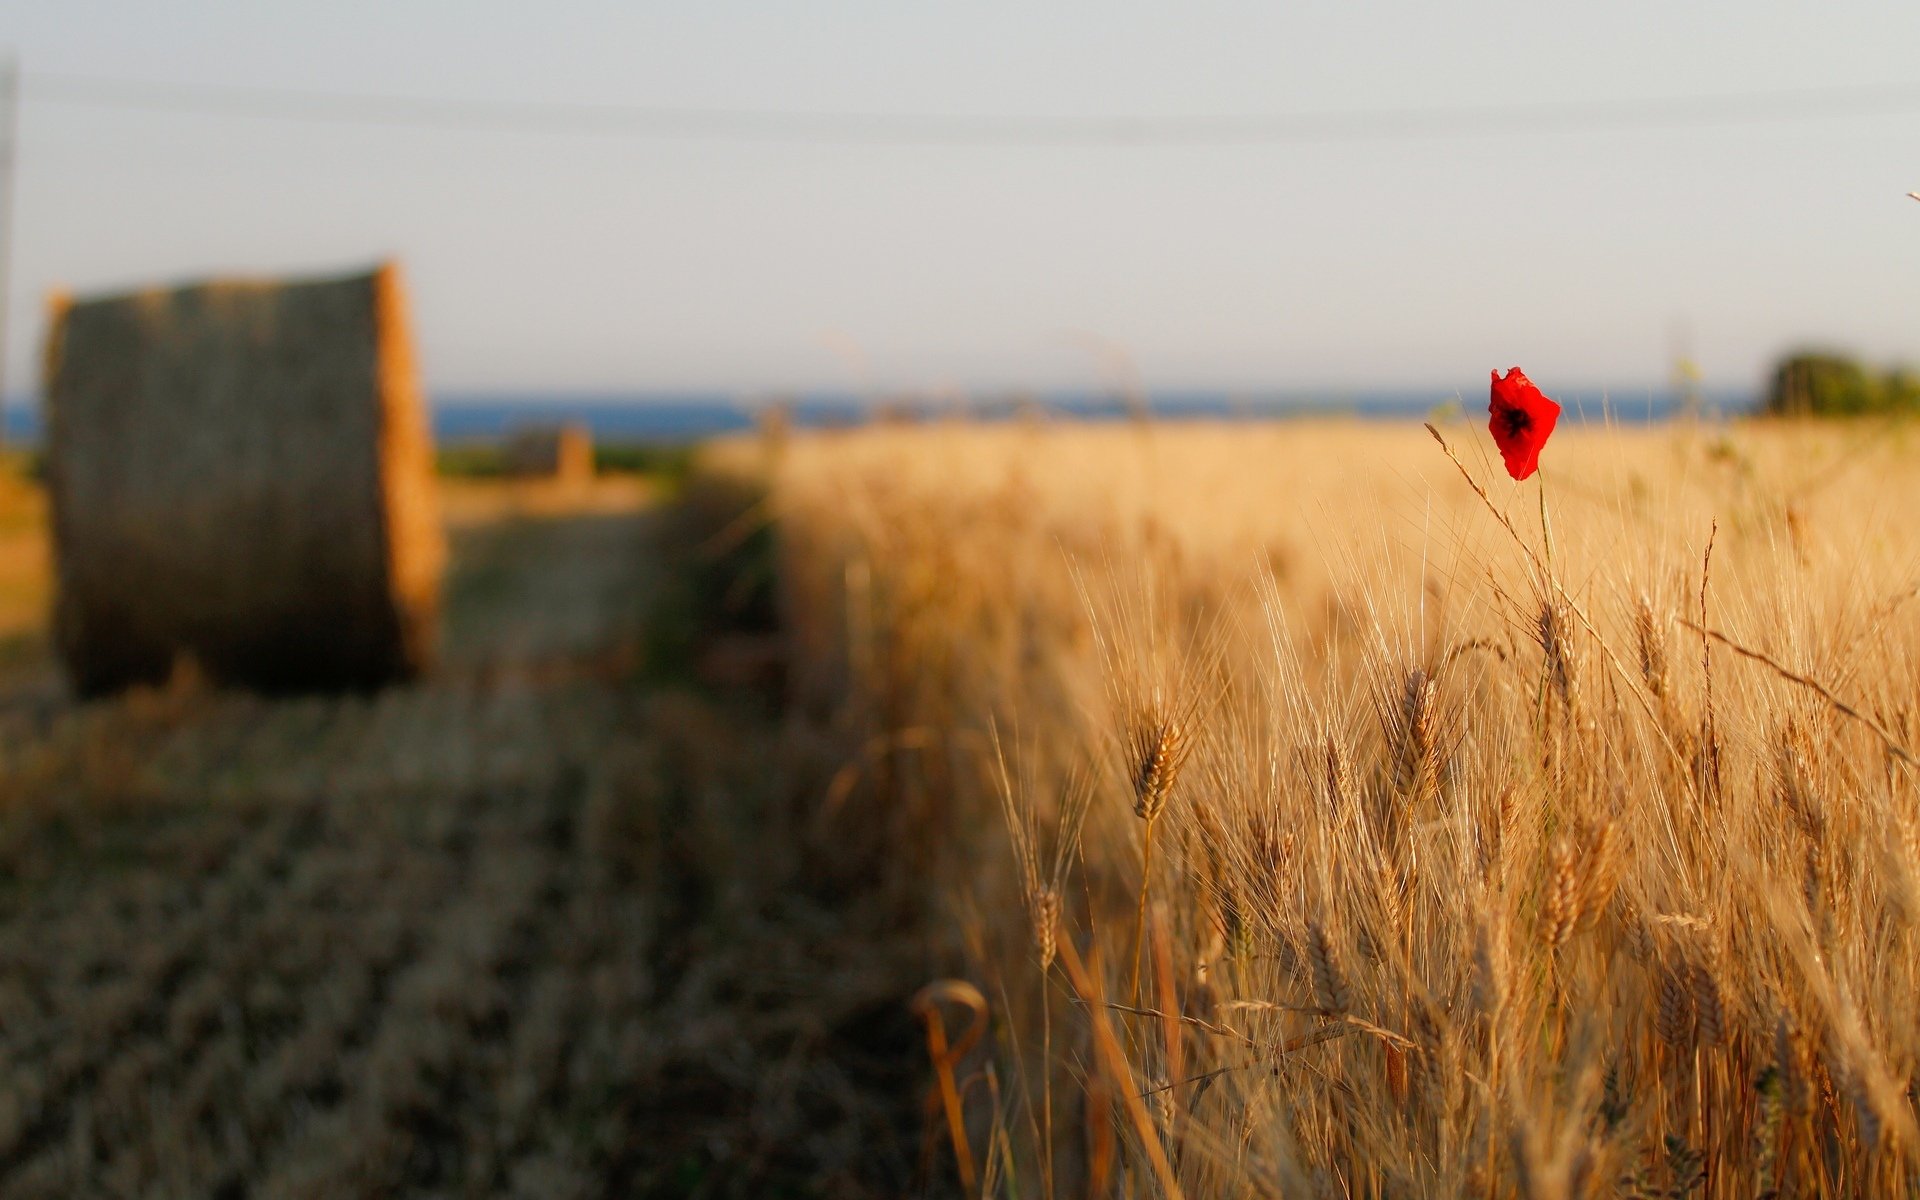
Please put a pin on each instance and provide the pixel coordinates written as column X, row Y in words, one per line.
column 1703, row 1064
column 1711, row 750
column 1140, row 920
column 1046, row 1083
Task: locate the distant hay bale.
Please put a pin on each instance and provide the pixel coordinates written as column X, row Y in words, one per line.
column 241, row 472
column 563, row 453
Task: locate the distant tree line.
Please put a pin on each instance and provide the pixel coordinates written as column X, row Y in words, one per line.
column 1824, row 384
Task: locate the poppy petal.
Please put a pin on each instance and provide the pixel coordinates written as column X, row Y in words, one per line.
column 1521, row 420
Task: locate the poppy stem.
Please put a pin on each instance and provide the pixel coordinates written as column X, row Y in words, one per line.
column 1637, row 691
column 1546, row 526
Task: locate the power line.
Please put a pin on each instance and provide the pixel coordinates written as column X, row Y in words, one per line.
column 952, row 129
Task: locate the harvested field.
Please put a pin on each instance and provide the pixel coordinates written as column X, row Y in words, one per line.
column 542, row 925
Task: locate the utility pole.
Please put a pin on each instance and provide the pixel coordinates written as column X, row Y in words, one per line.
column 10, row 127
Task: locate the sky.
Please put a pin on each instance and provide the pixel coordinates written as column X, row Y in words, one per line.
column 550, row 259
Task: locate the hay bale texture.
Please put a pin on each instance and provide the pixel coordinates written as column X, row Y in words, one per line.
column 241, row 472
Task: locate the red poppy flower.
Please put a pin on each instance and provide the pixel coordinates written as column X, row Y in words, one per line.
column 1522, row 420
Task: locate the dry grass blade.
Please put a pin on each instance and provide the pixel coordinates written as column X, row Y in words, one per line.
column 1116, row 1063
column 946, row 1055
column 1813, row 685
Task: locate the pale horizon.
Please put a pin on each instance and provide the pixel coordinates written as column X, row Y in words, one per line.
column 1364, row 258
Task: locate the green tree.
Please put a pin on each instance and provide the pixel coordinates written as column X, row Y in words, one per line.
column 1824, row 384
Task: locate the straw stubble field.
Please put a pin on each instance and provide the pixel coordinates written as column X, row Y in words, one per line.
column 537, row 926
column 1309, row 813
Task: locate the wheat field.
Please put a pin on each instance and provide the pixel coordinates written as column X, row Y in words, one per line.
column 1297, row 810
column 1309, row 810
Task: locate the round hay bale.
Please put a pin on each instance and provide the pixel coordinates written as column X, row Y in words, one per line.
column 241, row 472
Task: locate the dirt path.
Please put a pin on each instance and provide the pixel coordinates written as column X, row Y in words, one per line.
column 533, row 927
